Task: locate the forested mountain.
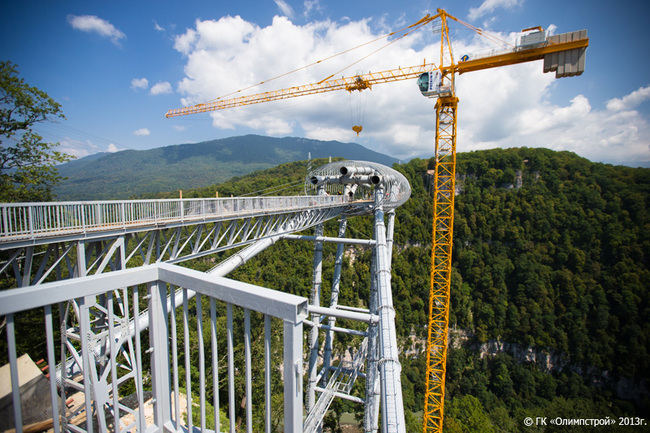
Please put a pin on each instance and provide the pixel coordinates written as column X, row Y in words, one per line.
column 550, row 302
column 132, row 173
column 551, row 286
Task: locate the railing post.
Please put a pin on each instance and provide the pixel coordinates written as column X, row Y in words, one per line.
column 159, row 332
column 182, row 209
column 83, row 217
column 30, row 221
column 5, row 222
column 292, row 377
column 123, row 215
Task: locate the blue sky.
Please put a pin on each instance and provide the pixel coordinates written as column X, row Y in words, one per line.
column 117, row 67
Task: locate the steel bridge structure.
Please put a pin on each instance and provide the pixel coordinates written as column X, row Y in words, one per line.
column 119, row 307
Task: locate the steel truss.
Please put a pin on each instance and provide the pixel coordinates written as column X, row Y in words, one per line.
column 33, row 265
column 443, row 224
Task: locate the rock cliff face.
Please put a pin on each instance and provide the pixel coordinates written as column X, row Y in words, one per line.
column 552, row 362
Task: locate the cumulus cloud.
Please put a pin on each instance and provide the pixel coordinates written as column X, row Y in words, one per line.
column 112, row 148
column 142, row 131
column 161, row 88
column 617, row 136
column 503, row 107
column 489, row 6
column 94, row 24
column 139, row 83
column 630, row 101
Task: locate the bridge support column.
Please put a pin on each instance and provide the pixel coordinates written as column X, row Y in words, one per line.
column 334, row 300
column 315, row 300
column 392, row 405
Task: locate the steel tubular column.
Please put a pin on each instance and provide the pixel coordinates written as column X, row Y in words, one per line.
column 443, row 221
column 334, row 300
column 392, row 404
column 371, row 409
column 315, row 300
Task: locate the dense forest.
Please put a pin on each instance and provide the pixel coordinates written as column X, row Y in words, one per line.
column 550, row 307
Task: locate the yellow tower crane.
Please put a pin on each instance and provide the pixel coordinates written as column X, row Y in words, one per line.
column 563, row 54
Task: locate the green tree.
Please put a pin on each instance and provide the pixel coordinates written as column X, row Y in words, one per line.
column 466, row 414
column 27, row 164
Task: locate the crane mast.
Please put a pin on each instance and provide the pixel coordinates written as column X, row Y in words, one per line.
column 441, row 87
column 563, row 54
column 440, row 279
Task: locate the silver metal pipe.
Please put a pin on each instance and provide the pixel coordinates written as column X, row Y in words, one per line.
column 338, row 240
column 336, row 328
column 343, row 396
column 358, row 310
column 334, row 298
column 315, row 300
column 366, row 179
column 342, row 314
column 350, row 170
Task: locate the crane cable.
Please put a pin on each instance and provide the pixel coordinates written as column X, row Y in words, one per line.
column 414, row 26
column 377, row 50
column 357, row 117
column 481, row 32
column 273, row 188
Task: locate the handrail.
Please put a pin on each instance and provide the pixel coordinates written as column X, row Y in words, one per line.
column 36, row 220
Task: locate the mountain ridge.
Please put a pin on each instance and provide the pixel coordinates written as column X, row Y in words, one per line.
column 131, row 173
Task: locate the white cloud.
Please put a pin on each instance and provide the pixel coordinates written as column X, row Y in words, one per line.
column 630, row 101
column 504, row 107
column 139, row 83
column 161, row 88
column 77, row 148
column 180, row 128
column 489, row 6
column 158, row 27
column 312, row 5
column 284, row 8
column 112, row 148
column 521, row 116
column 185, row 42
column 94, row 24
column 142, row 131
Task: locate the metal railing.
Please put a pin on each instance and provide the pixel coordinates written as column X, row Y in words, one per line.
column 156, row 362
column 34, row 220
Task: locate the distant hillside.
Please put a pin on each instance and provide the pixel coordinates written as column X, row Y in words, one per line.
column 132, row 173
